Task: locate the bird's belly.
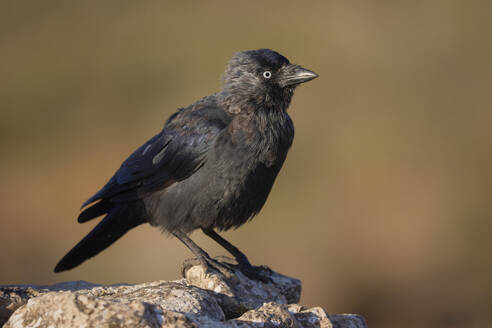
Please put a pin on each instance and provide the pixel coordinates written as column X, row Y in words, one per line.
column 217, row 196
column 243, row 193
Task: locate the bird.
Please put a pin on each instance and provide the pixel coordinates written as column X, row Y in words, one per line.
column 211, row 167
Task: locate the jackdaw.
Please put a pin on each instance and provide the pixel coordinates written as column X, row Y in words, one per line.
column 211, row 167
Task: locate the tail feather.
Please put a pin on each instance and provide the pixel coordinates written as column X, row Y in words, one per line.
column 118, row 222
column 95, row 210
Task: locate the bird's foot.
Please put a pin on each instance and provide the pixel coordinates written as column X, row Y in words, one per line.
column 259, row 273
column 224, row 267
column 209, row 265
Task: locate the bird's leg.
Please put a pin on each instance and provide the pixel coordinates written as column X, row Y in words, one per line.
column 201, row 255
column 245, row 267
column 238, row 255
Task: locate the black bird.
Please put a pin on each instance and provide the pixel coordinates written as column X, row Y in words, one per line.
column 210, row 168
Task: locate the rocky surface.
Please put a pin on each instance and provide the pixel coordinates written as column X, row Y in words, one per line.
column 223, row 298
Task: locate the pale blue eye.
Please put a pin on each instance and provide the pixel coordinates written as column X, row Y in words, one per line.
column 267, row 74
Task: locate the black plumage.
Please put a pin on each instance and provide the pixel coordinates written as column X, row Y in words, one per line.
column 211, row 167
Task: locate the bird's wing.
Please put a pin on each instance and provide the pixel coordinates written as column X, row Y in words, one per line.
column 172, row 155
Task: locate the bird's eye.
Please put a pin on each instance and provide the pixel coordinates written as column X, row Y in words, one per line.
column 267, row 74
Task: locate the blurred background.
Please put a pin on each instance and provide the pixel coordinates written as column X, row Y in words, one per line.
column 384, row 204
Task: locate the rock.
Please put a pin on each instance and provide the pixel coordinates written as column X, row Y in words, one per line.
column 202, row 299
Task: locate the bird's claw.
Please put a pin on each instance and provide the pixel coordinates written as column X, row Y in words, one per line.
column 209, row 265
column 259, row 273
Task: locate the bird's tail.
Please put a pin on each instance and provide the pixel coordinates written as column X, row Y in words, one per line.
column 119, row 220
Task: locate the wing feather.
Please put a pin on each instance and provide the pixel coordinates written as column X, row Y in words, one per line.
column 172, row 155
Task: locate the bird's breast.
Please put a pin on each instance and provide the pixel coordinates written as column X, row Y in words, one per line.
column 246, row 161
column 265, row 137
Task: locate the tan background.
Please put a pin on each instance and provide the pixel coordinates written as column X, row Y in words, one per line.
column 384, row 204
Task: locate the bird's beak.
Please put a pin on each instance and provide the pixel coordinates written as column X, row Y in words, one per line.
column 295, row 74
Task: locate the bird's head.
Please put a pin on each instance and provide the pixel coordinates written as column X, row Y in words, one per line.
column 263, row 77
